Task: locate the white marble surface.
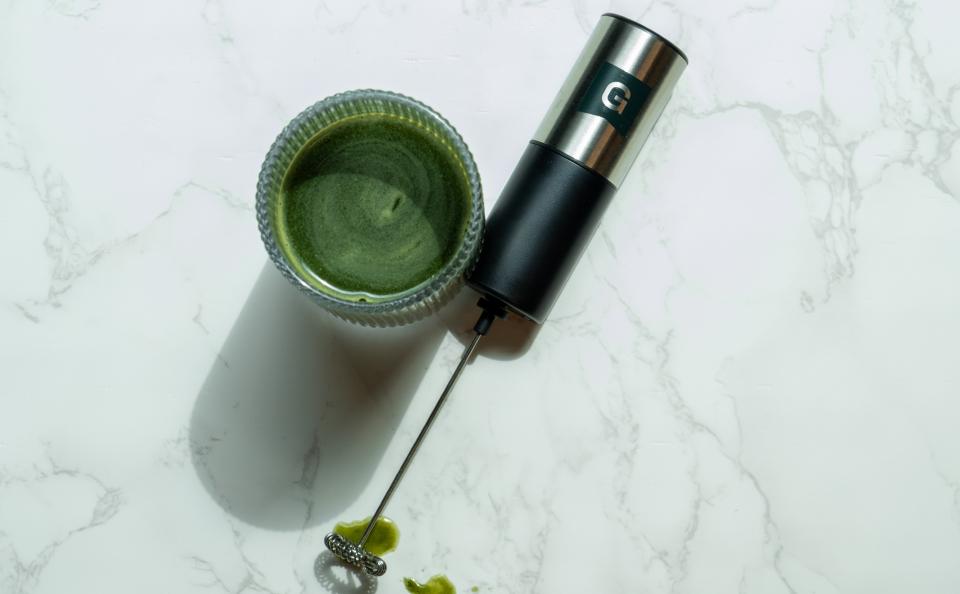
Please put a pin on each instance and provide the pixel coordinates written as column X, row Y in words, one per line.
column 750, row 384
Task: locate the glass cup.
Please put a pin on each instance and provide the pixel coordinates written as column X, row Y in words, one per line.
column 406, row 305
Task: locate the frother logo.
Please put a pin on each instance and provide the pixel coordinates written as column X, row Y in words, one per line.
column 616, row 96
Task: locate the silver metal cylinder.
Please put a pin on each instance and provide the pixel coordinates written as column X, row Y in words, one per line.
column 612, row 97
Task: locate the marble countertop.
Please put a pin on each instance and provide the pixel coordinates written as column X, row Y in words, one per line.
column 751, row 383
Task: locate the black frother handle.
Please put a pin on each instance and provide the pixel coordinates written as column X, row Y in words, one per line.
column 537, row 230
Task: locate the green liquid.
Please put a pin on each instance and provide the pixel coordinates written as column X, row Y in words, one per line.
column 438, row 584
column 383, row 539
column 373, row 206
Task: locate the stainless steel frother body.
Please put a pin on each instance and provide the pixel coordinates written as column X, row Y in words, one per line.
column 609, row 142
column 555, row 197
column 579, row 156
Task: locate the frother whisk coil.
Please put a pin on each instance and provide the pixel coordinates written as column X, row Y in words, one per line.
column 355, row 555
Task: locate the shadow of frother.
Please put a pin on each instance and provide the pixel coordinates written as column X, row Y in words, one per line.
column 338, row 578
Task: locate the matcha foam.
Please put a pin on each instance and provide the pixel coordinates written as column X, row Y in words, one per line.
column 373, row 206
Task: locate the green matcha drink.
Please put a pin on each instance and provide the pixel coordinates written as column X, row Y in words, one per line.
column 370, row 202
column 373, row 206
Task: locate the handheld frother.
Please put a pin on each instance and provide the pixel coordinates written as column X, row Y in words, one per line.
column 553, row 201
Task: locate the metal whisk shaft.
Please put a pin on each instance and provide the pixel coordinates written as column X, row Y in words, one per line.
column 354, row 553
column 420, row 437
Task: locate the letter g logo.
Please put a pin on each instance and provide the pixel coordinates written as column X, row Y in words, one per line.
column 615, row 96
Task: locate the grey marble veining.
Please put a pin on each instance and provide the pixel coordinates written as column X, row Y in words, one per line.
column 749, row 385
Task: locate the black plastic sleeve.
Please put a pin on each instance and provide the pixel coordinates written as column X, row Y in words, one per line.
column 537, row 230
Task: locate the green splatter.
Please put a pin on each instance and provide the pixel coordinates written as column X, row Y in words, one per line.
column 383, row 539
column 474, row 589
column 438, row 584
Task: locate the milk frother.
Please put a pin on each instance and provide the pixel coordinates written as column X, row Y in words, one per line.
column 553, row 201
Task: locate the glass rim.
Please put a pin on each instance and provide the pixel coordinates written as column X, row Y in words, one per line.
column 412, row 303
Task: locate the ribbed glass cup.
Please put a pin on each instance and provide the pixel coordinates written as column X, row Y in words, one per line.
column 411, row 304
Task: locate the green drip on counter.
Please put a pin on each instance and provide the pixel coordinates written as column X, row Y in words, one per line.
column 438, row 584
column 383, row 539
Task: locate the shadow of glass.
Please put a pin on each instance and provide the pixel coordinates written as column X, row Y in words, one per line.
column 299, row 406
